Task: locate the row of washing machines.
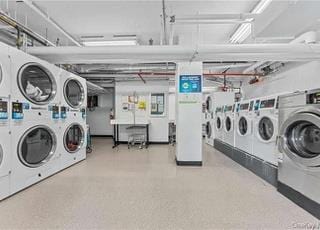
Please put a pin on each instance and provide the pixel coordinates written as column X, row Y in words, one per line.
column 42, row 120
column 280, row 130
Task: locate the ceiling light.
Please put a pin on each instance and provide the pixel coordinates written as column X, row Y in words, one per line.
column 244, row 30
column 111, row 43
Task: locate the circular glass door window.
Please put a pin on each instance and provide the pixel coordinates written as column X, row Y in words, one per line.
column 266, row 128
column 74, row 138
column 303, row 138
column 243, row 126
column 209, row 104
column 0, row 75
column 37, row 146
column 74, row 93
column 208, row 129
column 36, row 83
column 228, row 123
column 218, row 123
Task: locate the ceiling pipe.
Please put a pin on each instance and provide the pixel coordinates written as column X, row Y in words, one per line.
column 23, row 29
column 156, row 54
column 309, row 37
column 164, row 18
column 45, row 16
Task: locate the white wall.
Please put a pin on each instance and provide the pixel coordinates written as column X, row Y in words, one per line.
column 99, row 119
column 294, row 77
column 159, row 124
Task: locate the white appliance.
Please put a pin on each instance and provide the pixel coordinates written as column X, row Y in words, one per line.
column 5, row 138
column 228, row 127
column 218, row 123
column 34, row 153
column 299, row 146
column 266, row 129
column 243, row 126
column 5, row 148
column 35, row 84
column 209, row 133
column 72, row 139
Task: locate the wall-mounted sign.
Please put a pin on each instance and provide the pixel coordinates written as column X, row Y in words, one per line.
column 157, row 104
column 190, row 84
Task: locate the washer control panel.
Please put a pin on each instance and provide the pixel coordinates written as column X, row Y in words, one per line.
column 4, row 110
column 17, row 110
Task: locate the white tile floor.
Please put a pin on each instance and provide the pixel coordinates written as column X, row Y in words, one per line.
column 144, row 189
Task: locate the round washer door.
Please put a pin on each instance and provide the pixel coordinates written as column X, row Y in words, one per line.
column 300, row 138
column 218, row 123
column 74, row 138
column 1, row 75
column 244, row 126
column 228, row 124
column 267, row 129
column 74, row 93
column 36, row 146
column 37, row 84
column 209, row 104
column 208, row 130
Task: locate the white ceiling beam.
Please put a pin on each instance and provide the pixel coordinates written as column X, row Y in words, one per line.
column 150, row 54
column 45, row 16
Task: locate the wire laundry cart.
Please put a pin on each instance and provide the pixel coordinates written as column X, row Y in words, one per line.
column 137, row 135
column 172, row 133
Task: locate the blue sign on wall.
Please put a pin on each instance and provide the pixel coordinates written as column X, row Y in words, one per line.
column 190, row 84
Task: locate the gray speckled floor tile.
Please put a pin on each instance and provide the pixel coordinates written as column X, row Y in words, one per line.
column 144, row 189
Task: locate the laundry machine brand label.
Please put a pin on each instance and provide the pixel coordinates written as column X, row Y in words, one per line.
column 17, row 111
column 26, row 106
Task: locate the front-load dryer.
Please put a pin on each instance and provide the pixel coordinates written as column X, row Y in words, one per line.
column 266, row 129
column 243, row 126
column 5, row 148
column 218, row 123
column 35, row 83
column 299, row 146
column 34, row 153
column 72, row 143
column 228, row 128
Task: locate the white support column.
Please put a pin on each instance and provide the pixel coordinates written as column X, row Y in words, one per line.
column 189, row 84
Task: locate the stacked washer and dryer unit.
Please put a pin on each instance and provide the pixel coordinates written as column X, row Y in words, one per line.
column 209, row 121
column 5, row 110
column 34, row 122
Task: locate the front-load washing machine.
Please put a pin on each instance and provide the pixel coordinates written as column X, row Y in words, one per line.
column 218, row 123
column 34, row 153
column 243, row 126
column 73, row 119
column 228, row 128
column 209, row 133
column 299, row 146
column 266, row 129
column 5, row 148
column 35, row 83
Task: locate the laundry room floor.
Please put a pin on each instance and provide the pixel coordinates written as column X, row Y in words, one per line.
column 144, row 189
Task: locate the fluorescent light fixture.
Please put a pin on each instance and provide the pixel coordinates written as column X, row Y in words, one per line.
column 111, row 43
column 244, row 30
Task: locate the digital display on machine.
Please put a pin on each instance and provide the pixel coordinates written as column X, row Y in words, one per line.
column 17, row 110
column 267, row 103
column 55, row 112
column 257, row 105
column 219, row 109
column 244, row 106
column 251, row 105
column 313, row 98
column 3, row 110
column 228, row 108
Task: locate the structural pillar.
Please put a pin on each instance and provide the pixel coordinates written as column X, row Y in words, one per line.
column 189, row 84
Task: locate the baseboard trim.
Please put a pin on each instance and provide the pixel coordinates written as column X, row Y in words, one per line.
column 263, row 169
column 299, row 199
column 188, row 163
